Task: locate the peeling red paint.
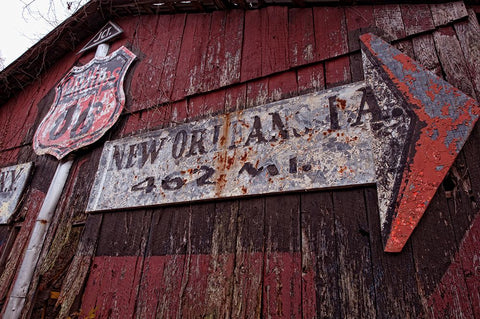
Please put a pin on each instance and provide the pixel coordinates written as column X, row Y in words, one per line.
column 422, row 177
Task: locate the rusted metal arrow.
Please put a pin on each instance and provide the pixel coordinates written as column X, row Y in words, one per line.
column 413, row 154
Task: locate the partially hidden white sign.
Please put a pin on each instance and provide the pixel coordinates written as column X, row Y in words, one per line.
column 13, row 180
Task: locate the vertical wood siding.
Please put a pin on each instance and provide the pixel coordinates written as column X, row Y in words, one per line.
column 313, row 254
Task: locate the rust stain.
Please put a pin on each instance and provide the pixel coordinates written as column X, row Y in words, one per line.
column 342, row 104
column 243, row 158
column 221, row 158
column 244, row 190
column 230, row 162
column 349, row 139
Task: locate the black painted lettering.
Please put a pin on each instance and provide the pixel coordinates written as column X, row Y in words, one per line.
column 170, row 183
column 236, row 134
column 204, row 179
column 150, row 151
column 197, row 143
column 178, row 146
column 148, row 184
column 306, row 167
column 15, row 178
column 85, row 120
column 369, row 98
column 272, row 170
column 250, row 169
column 293, row 165
column 117, row 157
column 62, row 124
column 256, row 132
column 216, row 134
column 132, row 156
column 2, row 182
column 278, row 124
column 332, row 103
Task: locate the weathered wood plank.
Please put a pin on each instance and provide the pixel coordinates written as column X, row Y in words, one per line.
column 215, row 52
column 235, row 98
column 354, row 255
column 358, row 19
column 201, row 219
column 389, row 19
column 72, row 286
column 433, row 249
column 251, row 66
column 311, row 78
column 330, row 32
column 425, row 53
column 113, row 285
column 282, row 86
column 201, row 106
column 274, row 49
column 319, row 252
column 32, row 206
column 16, row 117
column 452, row 59
column 468, row 34
column 472, row 153
column 179, row 111
column 282, row 270
column 395, row 287
column 257, row 92
column 469, row 257
column 230, row 67
column 337, row 72
column 7, row 239
column 416, row 18
column 249, row 261
column 164, row 264
column 10, row 157
column 153, row 43
column 301, row 41
column 191, row 62
column 405, row 46
column 169, row 70
column 220, row 281
column 444, row 13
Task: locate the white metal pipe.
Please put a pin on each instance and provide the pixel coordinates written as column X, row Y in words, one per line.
column 19, row 292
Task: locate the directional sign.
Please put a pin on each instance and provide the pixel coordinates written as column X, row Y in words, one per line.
column 387, row 130
column 12, row 184
column 88, row 101
column 312, row 141
column 108, row 32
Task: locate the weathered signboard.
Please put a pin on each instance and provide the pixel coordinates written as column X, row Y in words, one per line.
column 401, row 122
column 313, row 141
column 12, row 184
column 88, row 101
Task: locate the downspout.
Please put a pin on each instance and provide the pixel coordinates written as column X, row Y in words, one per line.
column 18, row 295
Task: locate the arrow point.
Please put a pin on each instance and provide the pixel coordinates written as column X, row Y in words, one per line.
column 415, row 149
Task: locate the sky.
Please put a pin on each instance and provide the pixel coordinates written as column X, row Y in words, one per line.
column 24, row 22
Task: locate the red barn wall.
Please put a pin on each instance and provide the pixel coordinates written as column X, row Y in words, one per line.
column 312, row 254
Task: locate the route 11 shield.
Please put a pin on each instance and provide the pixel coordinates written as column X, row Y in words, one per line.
column 88, row 101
